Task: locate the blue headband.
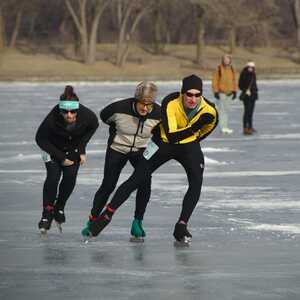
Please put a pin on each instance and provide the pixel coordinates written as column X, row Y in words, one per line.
column 68, row 105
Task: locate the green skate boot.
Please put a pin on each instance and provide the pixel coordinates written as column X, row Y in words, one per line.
column 137, row 231
column 85, row 232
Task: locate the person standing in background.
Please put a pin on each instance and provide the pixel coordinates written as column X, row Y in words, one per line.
column 224, row 86
column 63, row 136
column 249, row 94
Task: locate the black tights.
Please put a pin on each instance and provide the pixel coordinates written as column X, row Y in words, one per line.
column 53, row 183
column 189, row 155
column 249, row 105
column 114, row 163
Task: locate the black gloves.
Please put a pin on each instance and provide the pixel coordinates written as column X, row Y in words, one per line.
column 203, row 120
column 217, row 96
column 233, row 95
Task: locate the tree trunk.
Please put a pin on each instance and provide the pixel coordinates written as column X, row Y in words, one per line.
column 200, row 35
column 158, row 45
column 122, row 33
column 84, row 32
column 266, row 35
column 125, row 45
column 93, row 37
column 16, row 30
column 297, row 19
column 2, row 30
column 232, row 39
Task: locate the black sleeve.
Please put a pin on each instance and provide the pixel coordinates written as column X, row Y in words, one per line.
column 107, row 112
column 91, row 128
column 42, row 139
column 242, row 81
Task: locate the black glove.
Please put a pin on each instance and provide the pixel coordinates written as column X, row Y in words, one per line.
column 233, row 95
column 203, row 120
column 217, row 95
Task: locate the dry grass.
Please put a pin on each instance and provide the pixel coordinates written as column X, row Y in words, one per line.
column 177, row 62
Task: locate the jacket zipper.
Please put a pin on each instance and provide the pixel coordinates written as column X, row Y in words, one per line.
column 136, row 133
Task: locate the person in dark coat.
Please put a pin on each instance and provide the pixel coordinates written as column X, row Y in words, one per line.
column 62, row 137
column 249, row 94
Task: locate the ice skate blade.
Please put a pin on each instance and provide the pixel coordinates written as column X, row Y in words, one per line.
column 186, row 242
column 135, row 239
column 87, row 239
column 43, row 232
column 59, row 227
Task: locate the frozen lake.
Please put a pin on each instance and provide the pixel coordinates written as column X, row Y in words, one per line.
column 246, row 227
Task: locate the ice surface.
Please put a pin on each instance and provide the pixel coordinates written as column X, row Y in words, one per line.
column 246, row 230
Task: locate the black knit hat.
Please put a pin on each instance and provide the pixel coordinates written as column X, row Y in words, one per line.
column 191, row 82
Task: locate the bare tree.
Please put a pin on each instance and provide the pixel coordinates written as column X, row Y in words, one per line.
column 16, row 29
column 88, row 34
column 2, row 31
column 202, row 9
column 130, row 14
column 158, row 27
column 296, row 12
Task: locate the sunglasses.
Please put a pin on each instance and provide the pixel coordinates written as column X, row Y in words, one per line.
column 72, row 111
column 147, row 104
column 197, row 95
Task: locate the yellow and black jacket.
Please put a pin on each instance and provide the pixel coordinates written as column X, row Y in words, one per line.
column 176, row 128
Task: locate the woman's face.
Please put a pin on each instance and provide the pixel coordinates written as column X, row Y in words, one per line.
column 250, row 69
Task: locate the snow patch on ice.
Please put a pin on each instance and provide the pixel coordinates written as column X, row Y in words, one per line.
column 256, row 204
column 288, row 228
column 212, row 150
column 251, row 173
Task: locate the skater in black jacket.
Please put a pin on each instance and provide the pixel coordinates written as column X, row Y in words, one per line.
column 249, row 94
column 130, row 124
column 187, row 118
column 63, row 136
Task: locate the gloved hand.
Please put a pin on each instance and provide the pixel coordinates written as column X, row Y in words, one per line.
column 203, row 120
column 233, row 95
column 217, row 95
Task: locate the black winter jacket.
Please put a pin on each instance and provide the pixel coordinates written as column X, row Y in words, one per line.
column 248, row 80
column 53, row 137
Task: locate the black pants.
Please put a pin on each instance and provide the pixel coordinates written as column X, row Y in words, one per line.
column 52, row 183
column 114, row 163
column 249, row 105
column 189, row 155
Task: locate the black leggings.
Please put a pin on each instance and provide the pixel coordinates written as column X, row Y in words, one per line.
column 189, row 155
column 114, row 163
column 53, row 183
column 249, row 105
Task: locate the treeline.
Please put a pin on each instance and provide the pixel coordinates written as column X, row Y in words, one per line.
column 152, row 24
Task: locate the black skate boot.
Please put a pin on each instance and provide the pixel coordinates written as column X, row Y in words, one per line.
column 59, row 217
column 101, row 222
column 46, row 220
column 182, row 235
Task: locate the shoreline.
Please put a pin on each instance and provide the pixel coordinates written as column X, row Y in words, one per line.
column 104, row 80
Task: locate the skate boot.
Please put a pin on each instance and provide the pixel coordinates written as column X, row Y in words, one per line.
column 101, row 222
column 137, row 231
column 46, row 220
column 59, row 217
column 85, row 232
column 182, row 235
